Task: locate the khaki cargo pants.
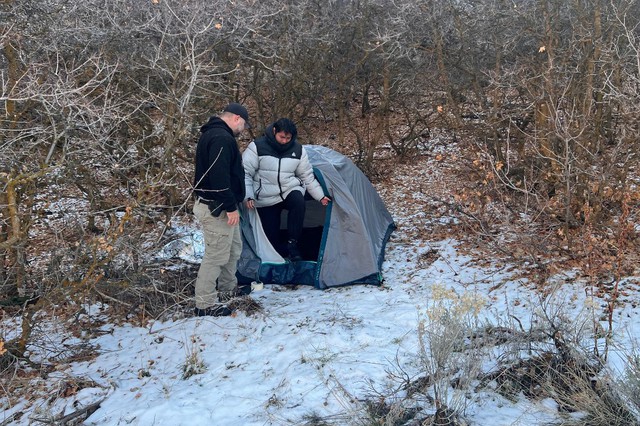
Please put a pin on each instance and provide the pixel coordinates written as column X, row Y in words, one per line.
column 222, row 248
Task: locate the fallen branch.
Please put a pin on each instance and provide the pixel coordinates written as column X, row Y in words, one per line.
column 64, row 419
column 11, row 418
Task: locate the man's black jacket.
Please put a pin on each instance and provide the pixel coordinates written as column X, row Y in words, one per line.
column 219, row 177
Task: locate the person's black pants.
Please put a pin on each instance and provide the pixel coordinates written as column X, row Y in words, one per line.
column 270, row 218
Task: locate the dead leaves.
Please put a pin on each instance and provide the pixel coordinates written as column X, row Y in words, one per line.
column 72, row 386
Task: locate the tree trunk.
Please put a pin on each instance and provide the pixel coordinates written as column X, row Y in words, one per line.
column 13, row 266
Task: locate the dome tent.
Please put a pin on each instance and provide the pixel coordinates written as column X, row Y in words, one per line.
column 341, row 244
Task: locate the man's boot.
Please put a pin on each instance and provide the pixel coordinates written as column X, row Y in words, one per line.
column 217, row 310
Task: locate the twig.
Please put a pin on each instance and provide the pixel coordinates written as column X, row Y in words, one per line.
column 11, row 418
column 64, row 419
column 184, row 204
column 113, row 299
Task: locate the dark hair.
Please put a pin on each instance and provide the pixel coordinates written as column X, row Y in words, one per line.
column 287, row 126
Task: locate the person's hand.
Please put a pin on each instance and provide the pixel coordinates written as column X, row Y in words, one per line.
column 249, row 203
column 233, row 218
column 325, row 201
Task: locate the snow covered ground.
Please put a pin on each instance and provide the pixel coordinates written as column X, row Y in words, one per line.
column 313, row 355
column 320, row 358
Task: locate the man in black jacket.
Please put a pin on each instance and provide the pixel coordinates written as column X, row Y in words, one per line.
column 219, row 188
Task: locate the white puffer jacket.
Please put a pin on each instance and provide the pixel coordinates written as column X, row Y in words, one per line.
column 273, row 170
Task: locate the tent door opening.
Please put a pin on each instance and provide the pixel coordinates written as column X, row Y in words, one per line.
column 312, row 230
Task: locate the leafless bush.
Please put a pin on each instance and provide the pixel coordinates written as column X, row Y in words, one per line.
column 450, row 357
column 551, row 125
column 563, row 365
column 449, row 363
column 630, row 384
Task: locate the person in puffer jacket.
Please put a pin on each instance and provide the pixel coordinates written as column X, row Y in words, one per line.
column 277, row 175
